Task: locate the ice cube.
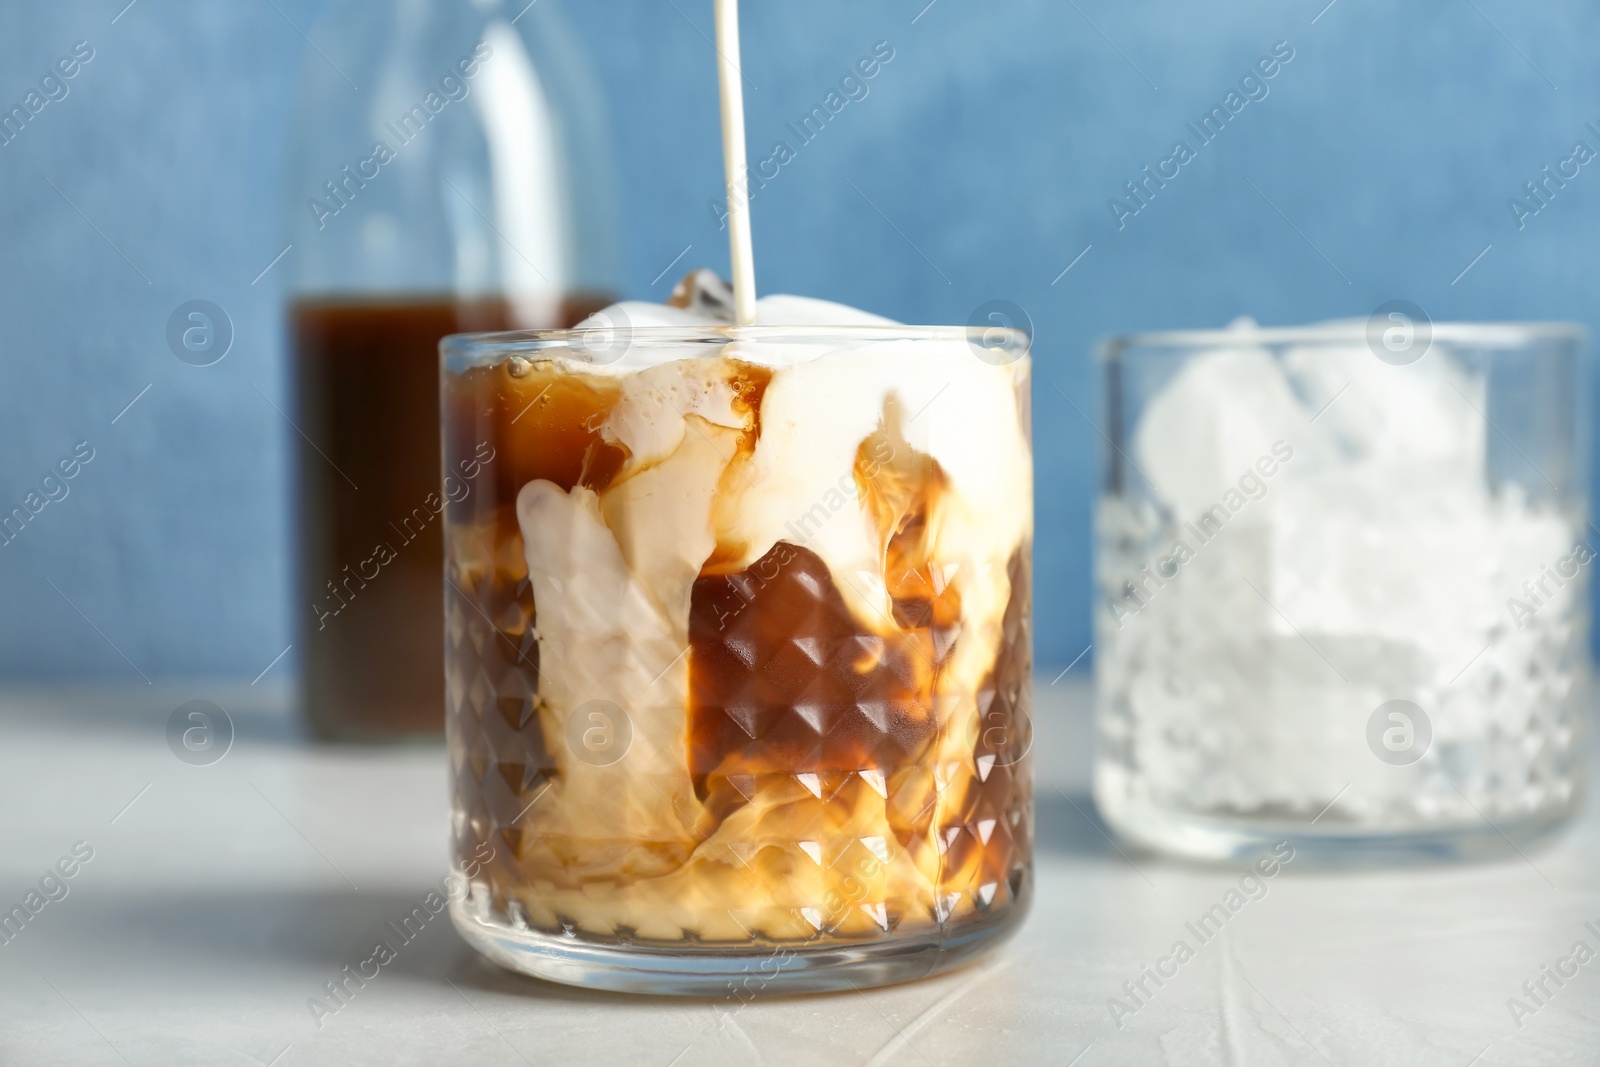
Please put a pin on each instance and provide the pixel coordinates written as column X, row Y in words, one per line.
column 1428, row 413
column 640, row 314
column 1219, row 415
column 703, row 299
column 784, row 310
column 704, row 293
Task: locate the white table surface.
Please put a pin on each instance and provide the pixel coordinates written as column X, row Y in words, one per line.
column 224, row 896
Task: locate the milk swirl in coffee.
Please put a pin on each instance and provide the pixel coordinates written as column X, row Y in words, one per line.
column 799, row 575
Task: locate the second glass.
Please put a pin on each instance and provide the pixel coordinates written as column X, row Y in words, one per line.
column 739, row 652
column 1344, row 573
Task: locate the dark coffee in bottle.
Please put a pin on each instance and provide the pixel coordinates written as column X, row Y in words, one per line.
column 369, row 604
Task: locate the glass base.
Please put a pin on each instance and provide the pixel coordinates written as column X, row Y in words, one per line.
column 746, row 972
column 1200, row 837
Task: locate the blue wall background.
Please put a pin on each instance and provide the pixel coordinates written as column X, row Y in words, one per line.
column 993, row 141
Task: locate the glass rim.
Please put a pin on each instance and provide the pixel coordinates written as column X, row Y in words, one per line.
column 1488, row 334
column 516, row 342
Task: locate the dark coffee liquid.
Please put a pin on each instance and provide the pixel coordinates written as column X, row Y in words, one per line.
column 369, row 604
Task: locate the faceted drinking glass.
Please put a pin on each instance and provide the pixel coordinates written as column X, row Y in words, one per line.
column 1342, row 576
column 738, row 651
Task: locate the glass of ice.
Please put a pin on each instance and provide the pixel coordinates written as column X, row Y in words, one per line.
column 1342, row 587
column 738, row 651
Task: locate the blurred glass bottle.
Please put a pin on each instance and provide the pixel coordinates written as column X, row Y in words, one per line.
column 448, row 171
